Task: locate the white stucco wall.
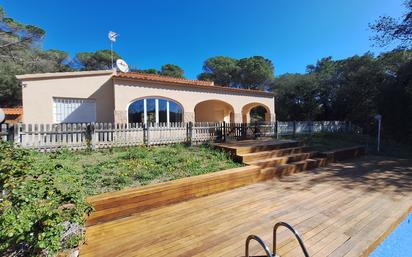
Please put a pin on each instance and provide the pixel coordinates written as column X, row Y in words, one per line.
column 127, row 91
column 113, row 96
column 39, row 90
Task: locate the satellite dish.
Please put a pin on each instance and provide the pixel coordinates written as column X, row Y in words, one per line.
column 2, row 115
column 122, row 65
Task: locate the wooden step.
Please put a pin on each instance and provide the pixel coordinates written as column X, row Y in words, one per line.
column 244, row 147
column 249, row 157
column 271, row 162
column 344, row 153
column 267, row 147
column 291, row 168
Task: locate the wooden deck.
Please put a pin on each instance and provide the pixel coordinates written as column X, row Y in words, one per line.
column 341, row 210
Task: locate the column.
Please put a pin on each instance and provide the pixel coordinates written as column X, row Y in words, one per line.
column 120, row 116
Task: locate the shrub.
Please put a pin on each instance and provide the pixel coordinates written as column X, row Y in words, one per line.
column 41, row 204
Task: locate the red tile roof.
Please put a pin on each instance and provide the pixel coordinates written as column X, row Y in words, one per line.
column 13, row 111
column 184, row 82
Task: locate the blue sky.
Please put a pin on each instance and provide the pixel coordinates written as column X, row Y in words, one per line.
column 292, row 33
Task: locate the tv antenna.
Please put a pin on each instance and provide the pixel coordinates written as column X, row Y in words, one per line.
column 112, row 37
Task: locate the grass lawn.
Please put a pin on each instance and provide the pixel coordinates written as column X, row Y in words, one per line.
column 114, row 169
column 329, row 141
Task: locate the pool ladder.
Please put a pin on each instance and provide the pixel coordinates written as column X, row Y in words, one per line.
column 266, row 248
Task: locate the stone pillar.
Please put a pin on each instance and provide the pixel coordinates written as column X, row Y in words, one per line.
column 120, row 116
column 189, row 117
column 273, row 117
column 238, row 118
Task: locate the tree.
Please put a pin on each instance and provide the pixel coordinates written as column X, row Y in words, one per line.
column 394, row 101
column 255, row 73
column 251, row 73
column 148, row 71
column 297, row 97
column 20, row 53
column 389, row 29
column 325, row 76
column 358, row 80
column 16, row 35
column 353, row 89
column 171, row 70
column 99, row 60
column 220, row 69
column 206, row 76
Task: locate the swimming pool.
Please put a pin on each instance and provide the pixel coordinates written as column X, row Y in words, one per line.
column 398, row 243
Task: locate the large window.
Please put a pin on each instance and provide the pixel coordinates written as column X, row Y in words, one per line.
column 155, row 110
column 70, row 110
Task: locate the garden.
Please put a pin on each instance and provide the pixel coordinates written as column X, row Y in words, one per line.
column 44, row 208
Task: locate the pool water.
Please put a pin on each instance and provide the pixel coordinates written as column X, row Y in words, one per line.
column 398, row 243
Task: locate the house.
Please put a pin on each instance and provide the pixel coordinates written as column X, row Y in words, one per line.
column 13, row 114
column 113, row 97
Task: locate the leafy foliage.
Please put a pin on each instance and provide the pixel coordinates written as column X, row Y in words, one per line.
column 147, row 71
column 389, row 29
column 99, row 60
column 353, row 89
column 20, row 53
column 172, row 70
column 255, row 72
column 35, row 205
column 252, row 73
column 298, row 97
column 220, row 69
column 45, row 192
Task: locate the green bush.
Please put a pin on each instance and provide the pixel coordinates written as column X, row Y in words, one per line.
column 41, row 203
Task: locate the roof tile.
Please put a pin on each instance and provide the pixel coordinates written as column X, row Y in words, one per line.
column 185, row 82
column 13, row 111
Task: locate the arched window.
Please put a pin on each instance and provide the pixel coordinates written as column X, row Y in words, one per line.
column 155, row 110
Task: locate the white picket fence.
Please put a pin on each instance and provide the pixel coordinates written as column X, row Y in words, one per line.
column 47, row 137
column 308, row 127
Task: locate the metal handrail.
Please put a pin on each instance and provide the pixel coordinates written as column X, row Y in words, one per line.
column 260, row 241
column 294, row 231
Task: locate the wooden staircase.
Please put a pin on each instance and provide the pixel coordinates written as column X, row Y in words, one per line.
column 265, row 160
column 276, row 158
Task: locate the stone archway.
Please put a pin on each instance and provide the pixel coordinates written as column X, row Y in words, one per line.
column 255, row 112
column 214, row 111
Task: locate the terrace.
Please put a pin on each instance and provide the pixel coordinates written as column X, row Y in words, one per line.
column 344, row 209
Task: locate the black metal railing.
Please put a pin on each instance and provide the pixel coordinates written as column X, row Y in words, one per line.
column 274, row 252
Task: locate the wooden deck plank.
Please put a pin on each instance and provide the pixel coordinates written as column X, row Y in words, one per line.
column 340, row 210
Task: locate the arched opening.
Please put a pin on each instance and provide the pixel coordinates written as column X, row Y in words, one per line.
column 155, row 110
column 214, row 111
column 255, row 112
